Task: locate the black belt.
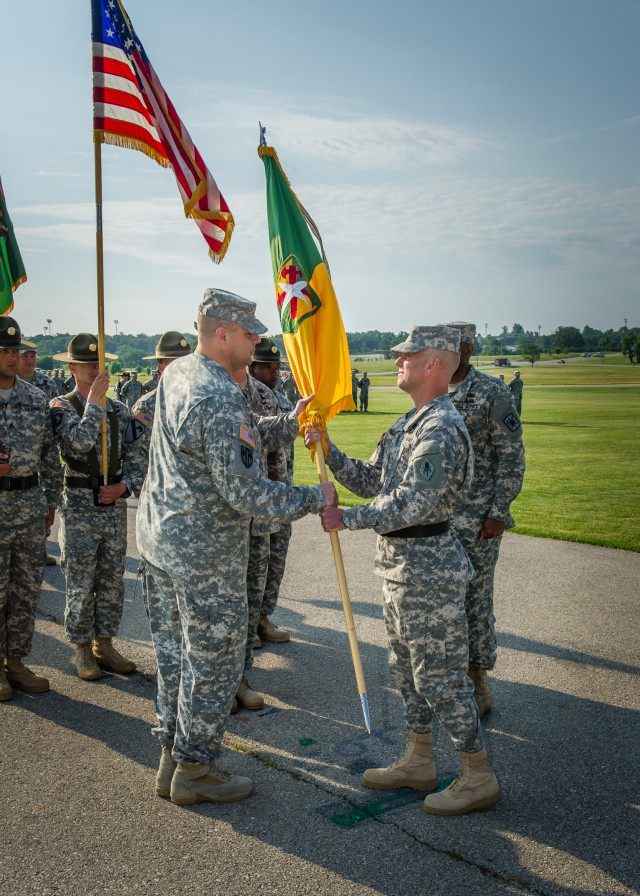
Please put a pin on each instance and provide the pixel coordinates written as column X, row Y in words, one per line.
column 419, row 531
column 79, row 482
column 18, row 483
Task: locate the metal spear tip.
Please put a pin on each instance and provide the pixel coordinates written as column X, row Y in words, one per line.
column 365, row 711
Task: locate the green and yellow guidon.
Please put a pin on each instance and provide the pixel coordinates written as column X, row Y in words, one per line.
column 310, row 319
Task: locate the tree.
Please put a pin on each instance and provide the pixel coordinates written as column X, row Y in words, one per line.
column 567, row 339
column 46, row 362
column 531, row 353
column 629, row 341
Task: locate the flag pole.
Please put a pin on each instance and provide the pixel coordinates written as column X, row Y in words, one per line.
column 97, row 157
column 346, row 602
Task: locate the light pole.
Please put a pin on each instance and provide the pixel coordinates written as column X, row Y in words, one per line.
column 50, row 335
column 116, row 323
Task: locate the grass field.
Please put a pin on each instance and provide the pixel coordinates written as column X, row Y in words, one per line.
column 582, row 445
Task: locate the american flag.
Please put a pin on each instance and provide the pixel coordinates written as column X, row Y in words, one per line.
column 131, row 109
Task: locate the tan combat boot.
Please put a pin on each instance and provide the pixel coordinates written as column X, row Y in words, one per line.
column 164, row 776
column 267, row 631
column 257, row 643
column 247, row 697
column 481, row 690
column 85, row 662
column 476, row 788
column 108, row 657
column 6, row 691
column 20, row 677
column 416, row 769
column 198, row 782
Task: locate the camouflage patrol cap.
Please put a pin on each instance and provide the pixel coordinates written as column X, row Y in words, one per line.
column 467, row 330
column 11, row 336
column 266, row 352
column 170, row 345
column 83, row 349
column 228, row 306
column 445, row 339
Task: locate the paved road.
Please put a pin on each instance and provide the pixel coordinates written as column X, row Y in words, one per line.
column 77, row 765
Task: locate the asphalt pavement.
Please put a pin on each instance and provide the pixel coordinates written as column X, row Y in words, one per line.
column 77, row 765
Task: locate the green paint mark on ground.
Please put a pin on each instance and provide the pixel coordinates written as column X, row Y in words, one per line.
column 396, row 799
column 306, row 741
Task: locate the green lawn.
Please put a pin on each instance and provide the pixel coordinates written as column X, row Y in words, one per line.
column 582, row 446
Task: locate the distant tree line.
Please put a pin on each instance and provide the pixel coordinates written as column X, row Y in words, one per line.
column 528, row 344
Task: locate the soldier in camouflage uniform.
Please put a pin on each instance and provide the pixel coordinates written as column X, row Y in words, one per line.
column 516, row 387
column 27, row 371
column 363, row 385
column 93, row 515
column 131, row 391
column 482, row 515
column 171, row 345
column 151, row 384
column 418, row 471
column 290, row 387
column 266, row 368
column 203, row 487
column 30, row 483
column 265, row 407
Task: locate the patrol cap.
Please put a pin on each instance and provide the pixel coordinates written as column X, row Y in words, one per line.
column 11, row 336
column 83, row 349
column 467, row 330
column 266, row 352
column 170, row 345
column 229, row 306
column 445, row 339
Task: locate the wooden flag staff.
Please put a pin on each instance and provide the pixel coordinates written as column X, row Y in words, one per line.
column 97, row 155
column 346, row 602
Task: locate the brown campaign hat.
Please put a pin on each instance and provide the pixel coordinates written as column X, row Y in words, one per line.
column 170, row 345
column 266, row 351
column 83, row 349
column 11, row 336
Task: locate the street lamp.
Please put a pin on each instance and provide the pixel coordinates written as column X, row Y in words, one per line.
column 50, row 334
column 116, row 323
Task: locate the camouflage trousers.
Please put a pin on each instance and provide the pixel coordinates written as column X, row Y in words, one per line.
column 479, row 600
column 257, row 568
column 278, row 550
column 199, row 636
column 428, row 657
column 22, row 556
column 93, row 548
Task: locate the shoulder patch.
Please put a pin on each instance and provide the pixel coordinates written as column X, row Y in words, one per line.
column 60, row 403
column 427, row 468
column 512, row 422
column 245, row 435
column 133, row 431
column 143, row 417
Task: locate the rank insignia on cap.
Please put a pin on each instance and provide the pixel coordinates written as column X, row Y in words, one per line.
column 92, row 347
column 247, row 436
column 11, row 331
column 183, row 343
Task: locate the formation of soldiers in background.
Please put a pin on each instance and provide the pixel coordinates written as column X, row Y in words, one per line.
column 441, row 483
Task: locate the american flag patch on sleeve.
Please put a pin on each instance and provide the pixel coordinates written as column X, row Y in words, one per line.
column 247, row 436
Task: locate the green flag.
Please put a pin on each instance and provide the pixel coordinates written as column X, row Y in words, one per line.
column 12, row 272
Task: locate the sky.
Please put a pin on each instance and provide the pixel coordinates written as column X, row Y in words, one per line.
column 463, row 159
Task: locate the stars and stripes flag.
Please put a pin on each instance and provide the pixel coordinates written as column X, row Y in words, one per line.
column 131, row 109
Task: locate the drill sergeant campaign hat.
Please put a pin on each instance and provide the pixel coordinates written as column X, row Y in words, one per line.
column 228, row 306
column 445, row 339
column 11, row 336
column 467, row 330
column 266, row 352
column 83, row 349
column 170, row 345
